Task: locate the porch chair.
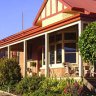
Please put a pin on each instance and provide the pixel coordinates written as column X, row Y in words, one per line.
column 76, row 71
column 68, row 69
column 93, row 72
column 87, row 71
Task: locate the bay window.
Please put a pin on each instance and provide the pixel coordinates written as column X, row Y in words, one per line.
column 62, row 44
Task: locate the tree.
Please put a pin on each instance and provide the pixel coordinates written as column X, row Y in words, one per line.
column 87, row 43
column 9, row 71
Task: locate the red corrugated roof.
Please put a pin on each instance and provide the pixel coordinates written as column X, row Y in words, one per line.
column 38, row 30
column 88, row 5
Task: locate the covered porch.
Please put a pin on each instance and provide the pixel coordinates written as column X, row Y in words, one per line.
column 54, row 53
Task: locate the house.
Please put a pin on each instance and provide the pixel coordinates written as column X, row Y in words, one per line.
column 50, row 46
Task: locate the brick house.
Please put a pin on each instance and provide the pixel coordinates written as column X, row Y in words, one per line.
column 50, row 46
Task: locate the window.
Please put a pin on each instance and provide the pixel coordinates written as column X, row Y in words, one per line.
column 43, row 56
column 16, row 55
column 52, row 54
column 70, row 36
column 55, row 42
column 52, row 38
column 70, row 57
column 3, row 54
column 70, row 47
column 58, row 37
column 29, row 49
column 59, row 53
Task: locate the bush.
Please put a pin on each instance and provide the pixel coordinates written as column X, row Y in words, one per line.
column 29, row 84
column 73, row 88
column 9, row 72
column 54, row 87
column 87, row 43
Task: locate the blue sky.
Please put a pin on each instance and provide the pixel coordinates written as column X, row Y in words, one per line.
column 11, row 15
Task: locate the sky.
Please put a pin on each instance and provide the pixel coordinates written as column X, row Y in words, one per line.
column 11, row 15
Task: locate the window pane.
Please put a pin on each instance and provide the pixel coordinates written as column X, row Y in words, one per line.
column 70, row 47
column 58, row 37
column 70, row 57
column 70, row 36
column 29, row 50
column 59, row 53
column 44, row 56
column 51, row 54
column 51, row 38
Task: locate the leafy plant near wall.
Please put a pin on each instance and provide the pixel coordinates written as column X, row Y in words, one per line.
column 41, row 86
column 87, row 43
column 32, row 64
column 54, row 87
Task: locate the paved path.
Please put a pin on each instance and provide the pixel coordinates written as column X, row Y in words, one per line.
column 5, row 94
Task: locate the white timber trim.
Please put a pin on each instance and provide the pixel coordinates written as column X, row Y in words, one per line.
column 63, row 60
column 80, row 29
column 46, row 55
column 65, row 26
column 8, row 52
column 25, row 57
column 55, row 55
column 57, row 66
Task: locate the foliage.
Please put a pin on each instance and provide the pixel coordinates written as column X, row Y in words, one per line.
column 73, row 88
column 33, row 64
column 41, row 86
column 9, row 72
column 54, row 87
column 87, row 43
column 29, row 84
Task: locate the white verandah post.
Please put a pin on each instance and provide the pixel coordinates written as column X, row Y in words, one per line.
column 25, row 57
column 80, row 29
column 46, row 55
column 8, row 52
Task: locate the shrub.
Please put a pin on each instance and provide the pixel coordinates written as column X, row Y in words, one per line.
column 29, row 84
column 54, row 87
column 9, row 72
column 87, row 43
column 73, row 88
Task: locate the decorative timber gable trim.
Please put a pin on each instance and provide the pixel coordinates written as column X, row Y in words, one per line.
column 58, row 9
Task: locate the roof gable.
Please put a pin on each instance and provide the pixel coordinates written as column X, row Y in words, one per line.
column 88, row 5
column 50, row 8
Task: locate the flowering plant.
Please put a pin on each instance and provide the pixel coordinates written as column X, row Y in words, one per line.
column 74, row 89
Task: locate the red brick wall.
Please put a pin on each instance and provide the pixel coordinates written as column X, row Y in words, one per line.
column 55, row 72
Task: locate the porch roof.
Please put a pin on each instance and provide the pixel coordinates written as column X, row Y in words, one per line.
column 35, row 30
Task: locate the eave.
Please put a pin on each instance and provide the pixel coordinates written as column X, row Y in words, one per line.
column 38, row 30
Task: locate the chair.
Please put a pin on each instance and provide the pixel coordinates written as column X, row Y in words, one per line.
column 87, row 71
column 76, row 71
column 67, row 68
